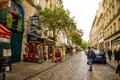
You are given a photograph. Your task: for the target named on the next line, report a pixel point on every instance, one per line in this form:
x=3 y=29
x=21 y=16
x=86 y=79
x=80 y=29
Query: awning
x=4 y=32
x=38 y=39
x=50 y=42
x=34 y=38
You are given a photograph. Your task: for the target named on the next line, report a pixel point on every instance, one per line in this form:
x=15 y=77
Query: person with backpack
x=90 y=55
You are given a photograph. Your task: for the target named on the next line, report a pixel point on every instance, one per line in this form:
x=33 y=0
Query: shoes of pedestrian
x=90 y=70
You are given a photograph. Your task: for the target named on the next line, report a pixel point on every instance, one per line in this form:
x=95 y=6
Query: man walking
x=109 y=54
x=118 y=56
x=115 y=54
x=89 y=56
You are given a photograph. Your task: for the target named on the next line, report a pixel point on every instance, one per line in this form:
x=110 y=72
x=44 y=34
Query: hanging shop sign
x=7 y=52
x=35 y=25
x=35 y=32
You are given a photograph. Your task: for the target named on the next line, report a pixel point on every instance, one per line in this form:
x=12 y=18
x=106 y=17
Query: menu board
x=6 y=52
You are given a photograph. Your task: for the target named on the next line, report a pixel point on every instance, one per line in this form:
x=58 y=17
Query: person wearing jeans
x=90 y=63
x=89 y=58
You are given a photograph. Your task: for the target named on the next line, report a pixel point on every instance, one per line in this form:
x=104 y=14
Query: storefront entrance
x=5 y=47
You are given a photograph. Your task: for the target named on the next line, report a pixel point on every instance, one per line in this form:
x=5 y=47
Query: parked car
x=100 y=56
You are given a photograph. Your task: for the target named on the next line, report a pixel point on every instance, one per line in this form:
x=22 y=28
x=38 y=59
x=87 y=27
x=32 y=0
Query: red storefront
x=5 y=45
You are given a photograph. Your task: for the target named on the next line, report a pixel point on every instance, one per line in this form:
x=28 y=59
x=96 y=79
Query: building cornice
x=118 y=32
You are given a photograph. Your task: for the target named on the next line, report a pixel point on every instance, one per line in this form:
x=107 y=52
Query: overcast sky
x=84 y=12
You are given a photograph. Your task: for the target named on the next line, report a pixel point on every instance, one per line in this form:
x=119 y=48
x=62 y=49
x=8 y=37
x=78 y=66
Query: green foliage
x=3 y=14
x=55 y=19
x=58 y=19
x=84 y=44
x=77 y=40
x=9 y=20
x=19 y=1
x=19 y=25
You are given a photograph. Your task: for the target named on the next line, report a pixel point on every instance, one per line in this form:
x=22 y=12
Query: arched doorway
x=16 y=41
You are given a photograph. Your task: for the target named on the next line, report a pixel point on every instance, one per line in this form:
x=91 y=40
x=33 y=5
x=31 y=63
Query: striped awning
x=4 y=32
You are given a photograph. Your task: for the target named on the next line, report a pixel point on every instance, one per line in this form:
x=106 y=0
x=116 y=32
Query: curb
x=47 y=68
x=111 y=65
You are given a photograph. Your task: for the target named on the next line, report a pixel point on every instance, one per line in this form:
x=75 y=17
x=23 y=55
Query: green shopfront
x=17 y=30
x=16 y=26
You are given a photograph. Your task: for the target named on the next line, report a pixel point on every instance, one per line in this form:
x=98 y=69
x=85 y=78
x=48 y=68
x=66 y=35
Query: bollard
x=4 y=73
x=3 y=68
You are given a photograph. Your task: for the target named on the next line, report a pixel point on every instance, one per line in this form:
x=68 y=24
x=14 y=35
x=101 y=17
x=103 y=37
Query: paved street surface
x=76 y=68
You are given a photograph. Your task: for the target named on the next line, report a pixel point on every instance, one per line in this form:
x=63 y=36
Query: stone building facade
x=111 y=25
x=108 y=25
x=40 y=48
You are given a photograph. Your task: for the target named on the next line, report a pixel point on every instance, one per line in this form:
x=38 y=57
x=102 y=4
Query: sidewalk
x=112 y=62
x=24 y=70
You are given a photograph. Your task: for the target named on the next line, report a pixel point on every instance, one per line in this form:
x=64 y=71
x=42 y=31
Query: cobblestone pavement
x=112 y=62
x=76 y=69
x=23 y=70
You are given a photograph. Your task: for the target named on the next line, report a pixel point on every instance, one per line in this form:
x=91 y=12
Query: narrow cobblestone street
x=76 y=68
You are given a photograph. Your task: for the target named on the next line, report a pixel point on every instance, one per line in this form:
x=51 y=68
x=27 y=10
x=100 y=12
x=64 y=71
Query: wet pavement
x=113 y=63
x=76 y=69
x=23 y=70
x=73 y=68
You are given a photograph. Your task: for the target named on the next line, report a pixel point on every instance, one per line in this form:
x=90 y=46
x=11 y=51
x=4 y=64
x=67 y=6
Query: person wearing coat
x=115 y=54
x=118 y=55
x=89 y=54
x=109 y=54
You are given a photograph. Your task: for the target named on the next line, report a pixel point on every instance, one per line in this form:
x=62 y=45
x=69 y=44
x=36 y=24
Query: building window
x=114 y=27
x=108 y=33
x=113 y=10
x=110 y=30
x=38 y=1
x=46 y=3
x=106 y=18
x=118 y=1
x=105 y=34
x=119 y=23
x=110 y=15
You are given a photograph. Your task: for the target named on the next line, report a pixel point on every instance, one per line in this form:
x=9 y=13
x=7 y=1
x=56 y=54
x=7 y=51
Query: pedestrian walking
x=89 y=53
x=109 y=54
x=118 y=55
x=115 y=54
x=118 y=69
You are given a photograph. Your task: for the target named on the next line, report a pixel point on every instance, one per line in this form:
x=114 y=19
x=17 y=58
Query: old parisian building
x=96 y=33
x=99 y=24
x=111 y=23
x=39 y=49
x=108 y=25
x=93 y=34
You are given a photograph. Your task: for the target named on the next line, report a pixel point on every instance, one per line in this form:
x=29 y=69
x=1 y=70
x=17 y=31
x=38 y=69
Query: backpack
x=93 y=56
